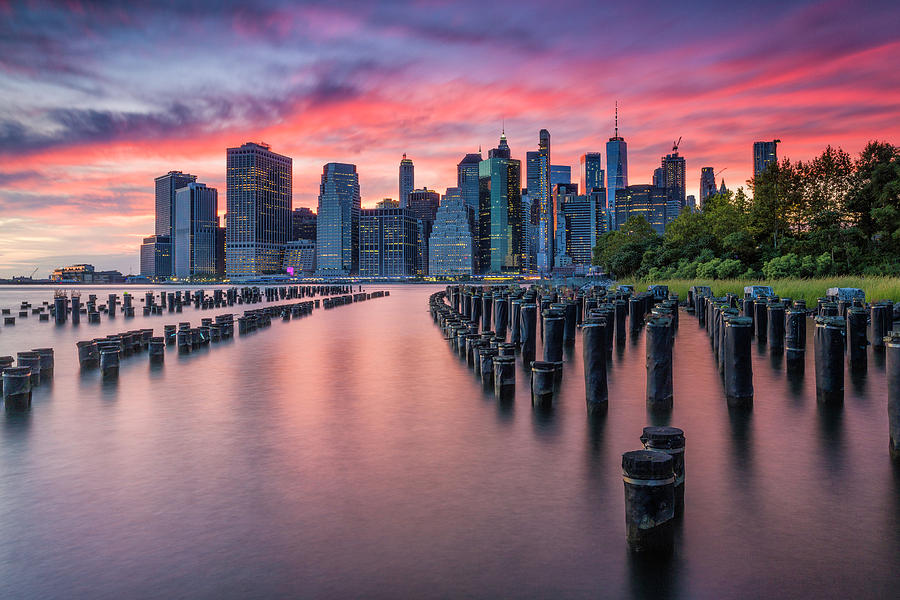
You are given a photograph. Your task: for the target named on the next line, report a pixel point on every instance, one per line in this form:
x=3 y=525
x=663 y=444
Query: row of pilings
x=69 y=307
x=107 y=353
x=842 y=332
x=489 y=327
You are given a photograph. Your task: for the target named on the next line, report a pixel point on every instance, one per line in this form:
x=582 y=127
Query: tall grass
x=876 y=288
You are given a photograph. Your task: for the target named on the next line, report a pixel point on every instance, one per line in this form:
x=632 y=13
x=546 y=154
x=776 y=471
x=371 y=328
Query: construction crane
x=676 y=144
x=719 y=171
x=33 y=272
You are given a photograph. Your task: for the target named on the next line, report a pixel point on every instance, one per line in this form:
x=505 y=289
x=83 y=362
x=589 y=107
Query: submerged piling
x=892 y=366
x=857 y=343
x=795 y=338
x=542 y=378
x=738 y=373
x=829 y=355
x=671 y=441
x=593 y=338
x=109 y=362
x=17 y=388
x=649 y=480
x=659 y=363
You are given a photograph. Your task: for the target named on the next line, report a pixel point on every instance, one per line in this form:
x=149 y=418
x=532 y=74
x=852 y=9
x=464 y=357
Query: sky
x=97 y=98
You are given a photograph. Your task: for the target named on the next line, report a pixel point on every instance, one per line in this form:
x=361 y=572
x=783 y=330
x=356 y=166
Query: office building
x=616 y=167
x=467 y=180
x=299 y=257
x=563 y=193
x=603 y=220
x=673 y=180
x=647 y=201
x=501 y=246
x=337 y=227
x=85 y=273
x=407 y=179
x=423 y=205
x=559 y=174
x=764 y=154
x=450 y=247
x=156 y=257
x=592 y=173
x=220 y=250
x=258 y=200
x=707 y=185
x=690 y=203
x=537 y=181
x=388 y=242
x=303 y=224
x=580 y=212
x=165 y=200
x=195 y=231
x=531 y=221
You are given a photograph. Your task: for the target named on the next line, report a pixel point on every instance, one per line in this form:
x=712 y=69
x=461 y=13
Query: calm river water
x=351 y=454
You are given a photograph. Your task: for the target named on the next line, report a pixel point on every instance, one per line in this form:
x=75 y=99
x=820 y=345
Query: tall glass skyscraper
x=764 y=154
x=156 y=257
x=707 y=185
x=258 y=199
x=407 y=180
x=467 y=180
x=647 y=201
x=616 y=167
x=450 y=245
x=337 y=227
x=563 y=193
x=196 y=226
x=559 y=174
x=538 y=180
x=165 y=186
x=592 y=173
x=501 y=245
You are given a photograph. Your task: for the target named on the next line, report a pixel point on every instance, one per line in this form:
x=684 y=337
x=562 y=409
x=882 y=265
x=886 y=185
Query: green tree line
x=832 y=215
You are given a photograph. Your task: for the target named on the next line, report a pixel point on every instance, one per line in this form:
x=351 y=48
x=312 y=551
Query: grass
x=876 y=288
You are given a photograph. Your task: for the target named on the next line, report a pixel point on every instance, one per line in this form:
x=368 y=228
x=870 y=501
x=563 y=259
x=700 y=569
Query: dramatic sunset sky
x=97 y=100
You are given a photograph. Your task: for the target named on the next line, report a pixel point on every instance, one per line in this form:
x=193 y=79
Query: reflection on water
x=352 y=453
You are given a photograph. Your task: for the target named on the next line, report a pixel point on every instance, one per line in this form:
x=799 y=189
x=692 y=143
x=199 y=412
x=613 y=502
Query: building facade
x=407 y=179
x=501 y=246
x=764 y=154
x=559 y=174
x=563 y=194
x=337 y=228
x=299 y=257
x=450 y=247
x=156 y=257
x=388 y=242
x=303 y=224
x=423 y=205
x=258 y=198
x=647 y=201
x=592 y=174
x=467 y=180
x=195 y=230
x=540 y=190
x=165 y=186
x=673 y=180
x=707 y=185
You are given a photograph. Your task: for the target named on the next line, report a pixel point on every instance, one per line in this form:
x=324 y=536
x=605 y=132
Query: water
x=351 y=454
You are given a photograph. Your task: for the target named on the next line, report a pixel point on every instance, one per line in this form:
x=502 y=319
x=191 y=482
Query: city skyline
x=90 y=116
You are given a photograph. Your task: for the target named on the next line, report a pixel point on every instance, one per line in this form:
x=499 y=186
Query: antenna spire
x=617 y=118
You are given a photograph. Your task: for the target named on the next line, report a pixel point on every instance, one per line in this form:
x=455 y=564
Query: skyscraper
x=559 y=174
x=196 y=227
x=563 y=193
x=303 y=224
x=165 y=205
x=647 y=201
x=337 y=226
x=501 y=246
x=592 y=173
x=156 y=257
x=764 y=154
x=423 y=205
x=258 y=198
x=388 y=242
x=616 y=167
x=407 y=179
x=707 y=185
x=467 y=180
x=540 y=191
x=673 y=172
x=450 y=245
